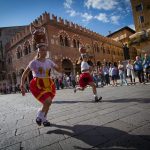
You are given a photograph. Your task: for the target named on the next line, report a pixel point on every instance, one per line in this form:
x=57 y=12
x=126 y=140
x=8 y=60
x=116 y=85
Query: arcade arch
x=67 y=66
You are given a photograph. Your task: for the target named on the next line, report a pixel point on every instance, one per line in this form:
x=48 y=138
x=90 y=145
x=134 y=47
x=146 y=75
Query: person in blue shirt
x=138 y=67
x=146 y=66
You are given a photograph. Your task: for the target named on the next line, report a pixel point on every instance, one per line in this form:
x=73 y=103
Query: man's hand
x=22 y=90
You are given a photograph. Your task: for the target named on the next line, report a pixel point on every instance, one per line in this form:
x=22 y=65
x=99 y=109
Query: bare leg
x=92 y=84
x=78 y=88
x=46 y=106
x=42 y=114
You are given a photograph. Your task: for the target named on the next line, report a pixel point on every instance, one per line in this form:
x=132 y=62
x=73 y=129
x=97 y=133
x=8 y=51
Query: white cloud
x=101 y=4
x=115 y=19
x=127 y=1
x=72 y=12
x=87 y=17
x=102 y=17
x=68 y=3
x=132 y=26
x=97 y=4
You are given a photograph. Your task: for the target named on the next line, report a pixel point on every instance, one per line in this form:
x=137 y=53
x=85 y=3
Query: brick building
x=141 y=39
x=63 y=38
x=122 y=35
x=6 y=33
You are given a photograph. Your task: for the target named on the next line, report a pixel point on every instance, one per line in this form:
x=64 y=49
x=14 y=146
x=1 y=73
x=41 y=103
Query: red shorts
x=85 y=79
x=42 y=88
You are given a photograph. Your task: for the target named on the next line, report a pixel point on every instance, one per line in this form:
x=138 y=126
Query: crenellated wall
x=46 y=17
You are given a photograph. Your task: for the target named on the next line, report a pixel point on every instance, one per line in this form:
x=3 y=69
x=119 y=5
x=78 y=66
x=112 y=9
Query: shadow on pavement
x=83 y=137
x=126 y=100
x=71 y=102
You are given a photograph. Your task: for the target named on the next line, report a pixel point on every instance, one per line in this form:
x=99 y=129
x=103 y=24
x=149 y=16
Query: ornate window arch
x=76 y=41
x=26 y=48
x=96 y=47
x=61 y=40
x=66 y=41
x=64 y=38
x=9 y=58
x=19 y=52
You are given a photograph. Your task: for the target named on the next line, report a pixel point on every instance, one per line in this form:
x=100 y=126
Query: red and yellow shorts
x=85 y=79
x=42 y=88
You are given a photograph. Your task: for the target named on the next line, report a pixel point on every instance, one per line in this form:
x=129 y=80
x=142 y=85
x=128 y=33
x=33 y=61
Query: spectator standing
x=138 y=67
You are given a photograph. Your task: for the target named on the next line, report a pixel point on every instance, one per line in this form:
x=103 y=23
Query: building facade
x=141 y=13
x=122 y=36
x=6 y=33
x=64 y=39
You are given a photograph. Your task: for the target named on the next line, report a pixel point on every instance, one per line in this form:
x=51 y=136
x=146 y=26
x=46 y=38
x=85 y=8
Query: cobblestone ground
x=121 y=121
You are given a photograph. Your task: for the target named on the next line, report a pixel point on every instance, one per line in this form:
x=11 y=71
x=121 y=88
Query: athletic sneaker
x=46 y=123
x=74 y=90
x=39 y=121
x=97 y=99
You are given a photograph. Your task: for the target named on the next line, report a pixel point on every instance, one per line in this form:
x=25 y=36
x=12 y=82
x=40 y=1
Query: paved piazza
x=121 y=121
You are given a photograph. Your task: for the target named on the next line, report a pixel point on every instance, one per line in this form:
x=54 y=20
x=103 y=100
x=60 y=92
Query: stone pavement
x=121 y=121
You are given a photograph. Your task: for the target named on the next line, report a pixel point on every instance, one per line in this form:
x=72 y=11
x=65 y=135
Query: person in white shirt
x=130 y=72
x=41 y=86
x=86 y=78
x=122 y=74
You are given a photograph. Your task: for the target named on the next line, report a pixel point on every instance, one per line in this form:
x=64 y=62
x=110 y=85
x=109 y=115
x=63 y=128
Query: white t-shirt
x=129 y=69
x=129 y=66
x=41 y=69
x=84 y=66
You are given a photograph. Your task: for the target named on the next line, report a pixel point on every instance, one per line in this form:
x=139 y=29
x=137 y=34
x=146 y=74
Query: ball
x=82 y=50
x=39 y=37
x=38 y=33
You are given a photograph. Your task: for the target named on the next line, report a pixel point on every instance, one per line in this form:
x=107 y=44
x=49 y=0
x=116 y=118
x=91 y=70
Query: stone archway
x=67 y=66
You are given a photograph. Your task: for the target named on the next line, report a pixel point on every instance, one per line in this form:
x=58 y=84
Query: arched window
x=66 y=41
x=61 y=40
x=96 y=48
x=118 y=53
x=104 y=50
x=9 y=60
x=74 y=43
x=19 y=52
x=27 y=48
x=34 y=46
x=64 y=38
x=78 y=43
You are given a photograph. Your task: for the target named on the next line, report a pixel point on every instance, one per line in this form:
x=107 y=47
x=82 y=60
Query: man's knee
x=48 y=101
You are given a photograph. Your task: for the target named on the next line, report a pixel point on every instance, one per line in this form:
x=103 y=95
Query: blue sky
x=100 y=16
